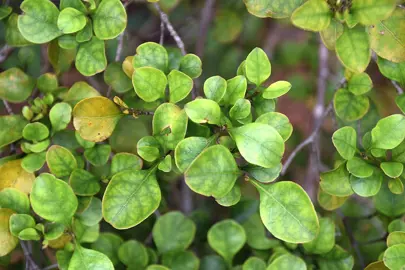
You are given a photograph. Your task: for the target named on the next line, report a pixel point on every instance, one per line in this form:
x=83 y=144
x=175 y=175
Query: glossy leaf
x=337 y=257
x=149 y=83
x=314 y=15
x=35 y=132
x=92 y=214
x=240 y=110
x=202 y=111
x=91 y=58
x=84 y=183
x=148 y=148
x=389 y=132
x=19 y=222
x=360 y=84
x=60 y=115
x=115 y=77
x=369 y=12
x=350 y=107
x=395 y=185
x=258 y=67
x=276 y=89
x=393 y=257
x=279 y=122
x=125 y=161
x=78 y=92
x=330 y=202
x=15 y=85
x=133 y=254
x=392 y=169
x=188 y=149
x=109 y=20
x=393 y=71
x=180 y=85
x=13 y=35
x=367 y=186
x=395 y=238
x=98 y=155
x=151 y=54
x=231 y=198
x=191 y=64
x=336 y=182
x=325 y=240
x=15 y=200
x=345 y=140
x=215 y=88
x=60 y=160
x=33 y=162
x=71 y=20
x=236 y=89
x=287 y=261
x=331 y=34
x=91 y=259
x=360 y=167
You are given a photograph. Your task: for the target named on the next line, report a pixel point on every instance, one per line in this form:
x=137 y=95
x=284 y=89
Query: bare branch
x=206 y=16
x=8 y=107
x=169 y=26
x=4 y=52
x=53 y=266
x=162 y=33
x=400 y=91
x=29 y=262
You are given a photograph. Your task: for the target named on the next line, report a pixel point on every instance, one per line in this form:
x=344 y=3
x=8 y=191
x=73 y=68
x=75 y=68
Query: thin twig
x=8 y=107
x=400 y=91
x=205 y=17
x=169 y=26
x=29 y=262
x=162 y=33
x=4 y=52
x=53 y=266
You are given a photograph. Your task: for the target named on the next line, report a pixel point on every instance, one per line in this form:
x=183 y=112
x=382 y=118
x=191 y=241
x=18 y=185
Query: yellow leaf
x=13 y=175
x=7 y=241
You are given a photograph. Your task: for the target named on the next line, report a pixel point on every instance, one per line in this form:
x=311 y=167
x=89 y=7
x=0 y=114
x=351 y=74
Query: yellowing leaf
x=7 y=241
x=13 y=175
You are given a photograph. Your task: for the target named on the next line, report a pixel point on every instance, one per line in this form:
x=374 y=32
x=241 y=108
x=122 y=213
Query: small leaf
x=180 y=85
x=47 y=82
x=91 y=259
x=12 y=128
x=39 y=29
x=5 y=11
x=60 y=115
x=84 y=183
x=393 y=257
x=213 y=172
x=151 y=54
x=337 y=257
x=125 y=161
x=191 y=64
x=13 y=175
x=71 y=20
x=7 y=240
x=13 y=35
x=353 y=49
x=395 y=185
x=80 y=91
x=389 y=132
x=173 y=232
x=92 y=215
x=314 y=15
x=202 y=111
x=53 y=199
x=109 y=20
x=331 y=34
x=231 y=198
x=360 y=84
x=330 y=202
x=148 y=148
x=86 y=33
x=392 y=169
x=15 y=200
x=393 y=71
x=133 y=254
x=210 y=262
x=345 y=140
x=169 y=116
x=98 y=155
x=91 y=58
x=215 y=88
x=272 y=8
x=369 y=12
x=123 y=195
x=254 y=263
x=33 y=162
x=84 y=143
x=95 y=118
x=395 y=238
x=258 y=67
x=226 y=238
x=235 y=89
x=149 y=83
x=279 y=122
x=389 y=204
x=276 y=89
x=350 y=107
x=336 y=182
x=85 y=234
x=35 y=132
x=115 y=77
x=367 y=186
x=256 y=234
x=166 y=164
x=60 y=160
x=325 y=240
x=259 y=144
x=360 y=167
x=240 y=110
x=15 y=85
x=293 y=221
x=19 y=222
x=29 y=234
x=108 y=244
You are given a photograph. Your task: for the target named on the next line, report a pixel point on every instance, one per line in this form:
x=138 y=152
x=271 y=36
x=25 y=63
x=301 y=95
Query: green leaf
x=184 y=260
x=387 y=37
x=29 y=234
x=84 y=183
x=279 y=122
x=345 y=141
x=39 y=29
x=149 y=83
x=92 y=215
x=188 y=149
x=235 y=89
x=360 y=167
x=276 y=89
x=394 y=257
x=60 y=160
x=314 y=15
x=91 y=58
x=202 y=111
x=215 y=88
x=63 y=258
x=60 y=115
x=53 y=199
x=19 y=222
x=213 y=172
x=180 y=85
x=191 y=64
x=108 y=244
x=157 y=267
x=95 y=118
x=47 y=82
x=85 y=234
x=336 y=258
x=396 y=225
x=231 y=198
x=35 y=132
x=360 y=84
x=80 y=91
x=259 y=144
x=98 y=155
x=212 y=262
x=166 y=164
x=389 y=132
x=76 y=4
x=287 y=262
x=258 y=67
x=15 y=200
x=5 y=11
x=264 y=175
x=389 y=204
x=151 y=54
x=228 y=26
x=393 y=71
x=86 y=33
x=369 y=12
x=395 y=238
x=392 y=169
x=15 y=85
x=53 y=231
x=91 y=259
x=12 y=128
x=123 y=195
x=115 y=77
x=84 y=143
x=110 y=19
x=336 y=182
x=133 y=254
x=169 y=117
x=367 y=186
x=173 y=232
x=125 y=161
x=7 y=240
x=256 y=234
x=227 y=238
x=395 y=185
x=353 y=49
x=350 y=107
x=330 y=202
x=240 y=110
x=148 y=148
x=400 y=101
x=13 y=35
x=33 y=162
x=331 y=34
x=325 y=240
x=71 y=20
x=272 y=8
x=254 y=263
x=293 y=221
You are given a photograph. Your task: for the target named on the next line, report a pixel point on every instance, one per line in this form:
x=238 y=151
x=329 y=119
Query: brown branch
x=5 y=52
x=29 y=261
x=8 y=107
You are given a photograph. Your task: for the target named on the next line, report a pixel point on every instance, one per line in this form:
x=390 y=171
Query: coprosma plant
x=61 y=186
